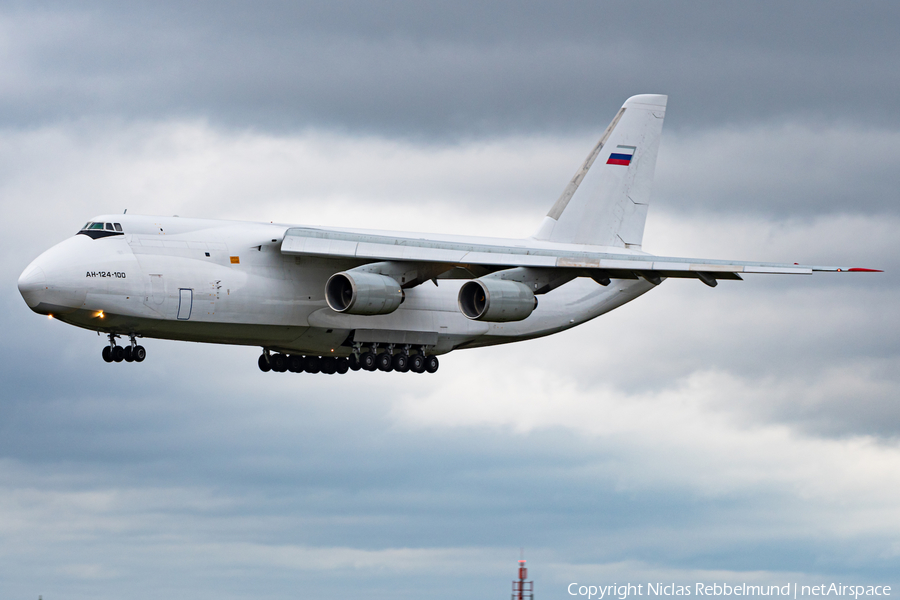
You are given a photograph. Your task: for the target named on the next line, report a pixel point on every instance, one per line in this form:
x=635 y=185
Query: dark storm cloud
x=456 y=69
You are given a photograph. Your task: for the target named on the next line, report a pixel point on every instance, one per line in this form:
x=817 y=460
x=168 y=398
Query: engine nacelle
x=359 y=293
x=496 y=300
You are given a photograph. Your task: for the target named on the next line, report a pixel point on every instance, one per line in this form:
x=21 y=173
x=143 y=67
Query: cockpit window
x=96 y=231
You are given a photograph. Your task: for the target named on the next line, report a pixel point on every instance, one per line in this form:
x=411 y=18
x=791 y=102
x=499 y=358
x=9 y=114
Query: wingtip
x=861 y=270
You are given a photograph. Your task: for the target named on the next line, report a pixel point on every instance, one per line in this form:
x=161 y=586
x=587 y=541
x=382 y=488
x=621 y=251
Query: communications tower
x=522 y=590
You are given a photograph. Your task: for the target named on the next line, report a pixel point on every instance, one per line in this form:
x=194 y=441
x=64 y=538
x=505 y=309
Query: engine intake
x=362 y=293
x=496 y=300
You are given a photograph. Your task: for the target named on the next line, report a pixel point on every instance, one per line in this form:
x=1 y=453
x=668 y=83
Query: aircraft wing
x=483 y=258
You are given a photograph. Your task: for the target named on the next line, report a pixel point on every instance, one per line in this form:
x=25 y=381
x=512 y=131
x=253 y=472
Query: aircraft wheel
x=263 y=363
x=139 y=354
x=401 y=362
x=343 y=365
x=329 y=365
x=367 y=361
x=129 y=357
x=118 y=353
x=431 y=364
x=107 y=354
x=385 y=362
x=313 y=364
x=295 y=363
x=279 y=363
x=353 y=363
x=417 y=363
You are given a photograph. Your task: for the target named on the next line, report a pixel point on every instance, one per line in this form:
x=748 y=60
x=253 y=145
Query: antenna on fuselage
x=125 y=211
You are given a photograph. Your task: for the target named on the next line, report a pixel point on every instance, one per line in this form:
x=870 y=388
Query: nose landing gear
x=131 y=353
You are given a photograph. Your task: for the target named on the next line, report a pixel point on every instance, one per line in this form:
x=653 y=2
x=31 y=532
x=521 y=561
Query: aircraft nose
x=32 y=285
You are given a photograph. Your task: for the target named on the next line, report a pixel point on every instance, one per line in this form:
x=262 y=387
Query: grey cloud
x=791 y=171
x=451 y=71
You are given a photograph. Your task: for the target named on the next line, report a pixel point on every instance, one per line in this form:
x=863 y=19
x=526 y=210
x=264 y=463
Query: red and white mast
x=522 y=590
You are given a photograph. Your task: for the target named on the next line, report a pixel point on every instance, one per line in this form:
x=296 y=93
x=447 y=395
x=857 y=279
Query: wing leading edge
x=484 y=257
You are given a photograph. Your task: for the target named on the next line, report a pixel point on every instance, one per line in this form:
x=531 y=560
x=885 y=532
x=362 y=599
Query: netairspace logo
x=621 y=592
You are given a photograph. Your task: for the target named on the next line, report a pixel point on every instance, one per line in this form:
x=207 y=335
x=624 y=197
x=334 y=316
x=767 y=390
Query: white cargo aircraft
x=329 y=300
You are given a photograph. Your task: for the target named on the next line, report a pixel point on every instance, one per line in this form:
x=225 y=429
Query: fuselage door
x=185 y=299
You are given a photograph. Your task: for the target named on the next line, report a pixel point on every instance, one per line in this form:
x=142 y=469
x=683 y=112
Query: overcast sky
x=747 y=433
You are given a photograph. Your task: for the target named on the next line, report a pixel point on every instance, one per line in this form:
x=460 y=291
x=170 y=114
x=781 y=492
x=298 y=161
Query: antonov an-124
x=330 y=300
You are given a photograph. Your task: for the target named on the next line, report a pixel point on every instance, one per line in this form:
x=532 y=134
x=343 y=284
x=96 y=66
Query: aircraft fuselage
x=228 y=282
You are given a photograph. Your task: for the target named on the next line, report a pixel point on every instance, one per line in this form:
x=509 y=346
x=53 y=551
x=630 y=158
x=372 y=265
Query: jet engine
x=360 y=293
x=496 y=300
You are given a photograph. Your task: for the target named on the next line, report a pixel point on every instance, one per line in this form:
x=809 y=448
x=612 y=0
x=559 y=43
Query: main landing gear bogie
x=368 y=360
x=116 y=353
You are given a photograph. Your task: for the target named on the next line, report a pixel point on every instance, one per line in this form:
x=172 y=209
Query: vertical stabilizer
x=606 y=202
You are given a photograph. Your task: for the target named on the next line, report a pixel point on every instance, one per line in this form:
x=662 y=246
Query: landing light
x=99 y=314
x=49 y=316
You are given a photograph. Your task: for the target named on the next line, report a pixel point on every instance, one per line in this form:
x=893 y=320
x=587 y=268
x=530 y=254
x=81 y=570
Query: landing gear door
x=185 y=300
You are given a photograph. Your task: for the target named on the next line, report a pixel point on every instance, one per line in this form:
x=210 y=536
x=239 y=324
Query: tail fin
x=606 y=204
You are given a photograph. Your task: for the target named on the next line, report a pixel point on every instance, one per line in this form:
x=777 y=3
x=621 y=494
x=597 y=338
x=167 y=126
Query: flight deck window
x=96 y=231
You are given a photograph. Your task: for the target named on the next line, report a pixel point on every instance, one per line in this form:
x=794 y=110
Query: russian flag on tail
x=622 y=155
